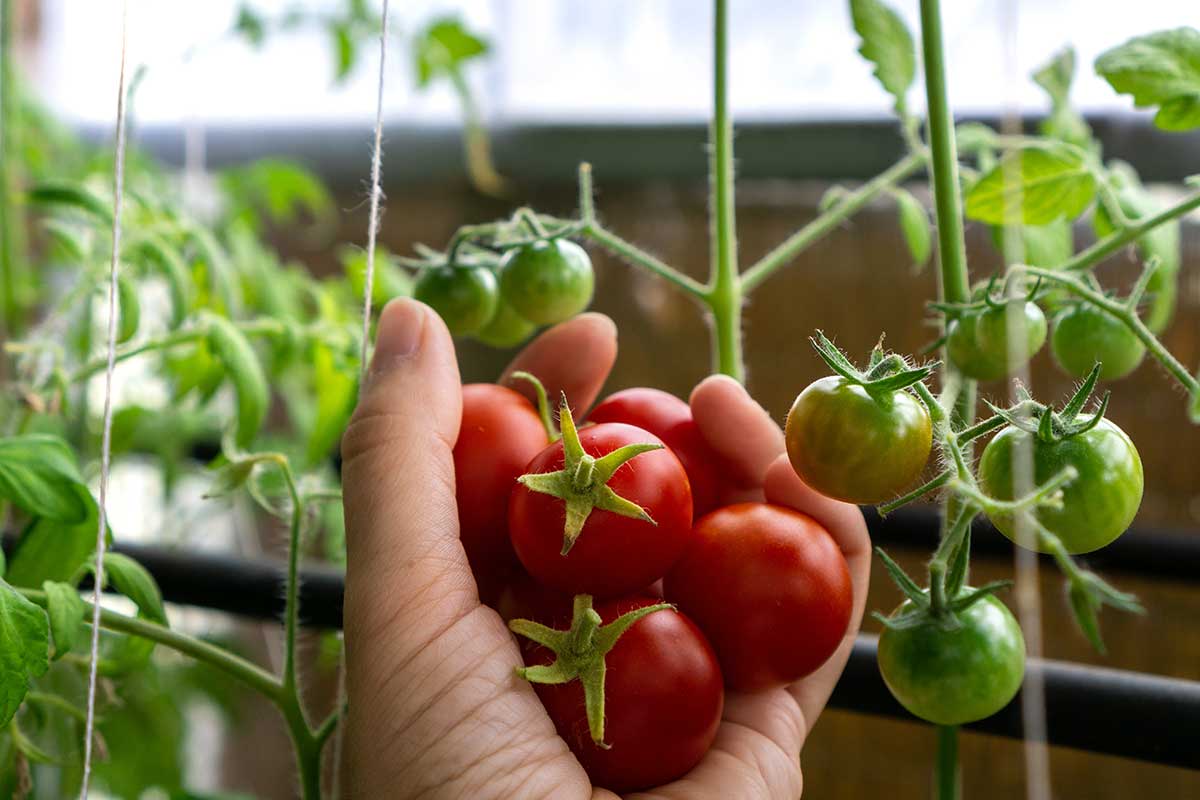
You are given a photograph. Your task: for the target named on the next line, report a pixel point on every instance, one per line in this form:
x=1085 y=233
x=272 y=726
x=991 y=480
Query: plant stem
x=947 y=763
x=1086 y=259
x=292 y=593
x=635 y=255
x=849 y=205
x=476 y=145
x=1126 y=315
x=724 y=289
x=12 y=226
x=252 y=675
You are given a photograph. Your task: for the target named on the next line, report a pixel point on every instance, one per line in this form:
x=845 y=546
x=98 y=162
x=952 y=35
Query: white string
x=1027 y=591
x=106 y=436
x=364 y=352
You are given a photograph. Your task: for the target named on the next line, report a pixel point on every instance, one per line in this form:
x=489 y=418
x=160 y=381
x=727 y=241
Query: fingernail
x=401 y=325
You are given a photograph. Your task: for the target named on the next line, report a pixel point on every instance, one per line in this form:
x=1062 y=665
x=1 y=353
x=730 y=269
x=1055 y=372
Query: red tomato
x=662 y=701
x=770 y=589
x=500 y=433
x=670 y=419
x=614 y=554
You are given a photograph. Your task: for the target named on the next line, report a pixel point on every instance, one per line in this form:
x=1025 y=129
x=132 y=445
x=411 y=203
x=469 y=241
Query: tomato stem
x=946 y=767
x=12 y=226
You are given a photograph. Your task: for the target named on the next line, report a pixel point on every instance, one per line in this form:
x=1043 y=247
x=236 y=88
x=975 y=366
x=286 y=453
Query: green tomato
x=952 y=677
x=1085 y=335
x=978 y=343
x=1097 y=506
x=547 y=281
x=464 y=297
x=854 y=446
x=506 y=329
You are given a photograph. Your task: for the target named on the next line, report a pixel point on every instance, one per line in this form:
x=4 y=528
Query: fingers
x=574 y=357
x=846 y=525
x=406 y=573
x=737 y=428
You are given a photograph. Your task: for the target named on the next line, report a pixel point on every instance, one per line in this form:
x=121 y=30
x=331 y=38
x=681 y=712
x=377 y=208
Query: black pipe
x=1148 y=552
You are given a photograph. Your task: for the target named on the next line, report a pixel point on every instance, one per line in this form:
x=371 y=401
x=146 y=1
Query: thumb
x=407 y=577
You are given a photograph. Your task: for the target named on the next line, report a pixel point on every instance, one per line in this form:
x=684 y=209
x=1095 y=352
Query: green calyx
x=958 y=597
x=582 y=483
x=580 y=652
x=886 y=372
x=1050 y=426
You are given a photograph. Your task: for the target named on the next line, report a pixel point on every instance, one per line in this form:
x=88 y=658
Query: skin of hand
x=435 y=709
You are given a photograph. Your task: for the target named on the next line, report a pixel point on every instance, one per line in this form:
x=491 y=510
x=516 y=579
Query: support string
x=364 y=353
x=106 y=435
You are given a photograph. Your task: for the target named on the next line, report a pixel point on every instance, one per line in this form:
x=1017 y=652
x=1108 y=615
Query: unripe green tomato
x=952 y=677
x=506 y=329
x=1097 y=506
x=978 y=343
x=857 y=447
x=1084 y=335
x=547 y=281
x=464 y=297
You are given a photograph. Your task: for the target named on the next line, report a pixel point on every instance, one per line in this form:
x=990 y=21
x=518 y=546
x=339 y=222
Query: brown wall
x=856 y=284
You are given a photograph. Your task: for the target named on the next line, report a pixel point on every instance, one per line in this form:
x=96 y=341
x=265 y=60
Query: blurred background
x=624 y=84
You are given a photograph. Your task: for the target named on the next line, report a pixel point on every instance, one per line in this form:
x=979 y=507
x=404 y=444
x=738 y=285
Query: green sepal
x=907 y=585
x=964 y=601
x=580 y=653
x=582 y=483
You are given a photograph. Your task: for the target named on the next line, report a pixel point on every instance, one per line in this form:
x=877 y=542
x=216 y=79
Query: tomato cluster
x=537 y=283
x=690 y=597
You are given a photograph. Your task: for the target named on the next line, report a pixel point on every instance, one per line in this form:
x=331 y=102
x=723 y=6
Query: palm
x=446 y=716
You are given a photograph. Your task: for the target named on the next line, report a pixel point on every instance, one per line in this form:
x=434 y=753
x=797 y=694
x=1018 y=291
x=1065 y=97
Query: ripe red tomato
x=500 y=433
x=662 y=701
x=770 y=589
x=614 y=554
x=670 y=419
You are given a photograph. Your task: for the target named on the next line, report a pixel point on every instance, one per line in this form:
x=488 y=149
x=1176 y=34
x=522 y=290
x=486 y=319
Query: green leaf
x=442 y=47
x=1045 y=246
x=345 y=51
x=132 y=580
x=168 y=262
x=72 y=195
x=914 y=223
x=1160 y=69
x=250 y=25
x=66 y=609
x=1056 y=75
x=128 y=308
x=246 y=373
x=24 y=649
x=51 y=550
x=38 y=473
x=888 y=45
x=335 y=384
x=1045 y=184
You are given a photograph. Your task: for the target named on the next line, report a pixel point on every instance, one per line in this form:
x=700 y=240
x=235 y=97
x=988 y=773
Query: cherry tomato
x=500 y=433
x=978 y=343
x=1085 y=335
x=1097 y=506
x=670 y=419
x=770 y=589
x=854 y=446
x=465 y=298
x=662 y=697
x=506 y=329
x=547 y=281
x=952 y=677
x=614 y=554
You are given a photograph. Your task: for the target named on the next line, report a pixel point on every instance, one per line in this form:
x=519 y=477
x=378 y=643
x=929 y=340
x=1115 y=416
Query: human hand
x=436 y=709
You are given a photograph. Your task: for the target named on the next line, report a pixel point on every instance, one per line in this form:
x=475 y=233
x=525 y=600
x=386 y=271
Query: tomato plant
x=465 y=297
x=980 y=346
x=651 y=713
x=500 y=433
x=1084 y=336
x=605 y=511
x=858 y=438
x=670 y=419
x=548 y=280
x=770 y=589
x=955 y=672
x=1098 y=503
